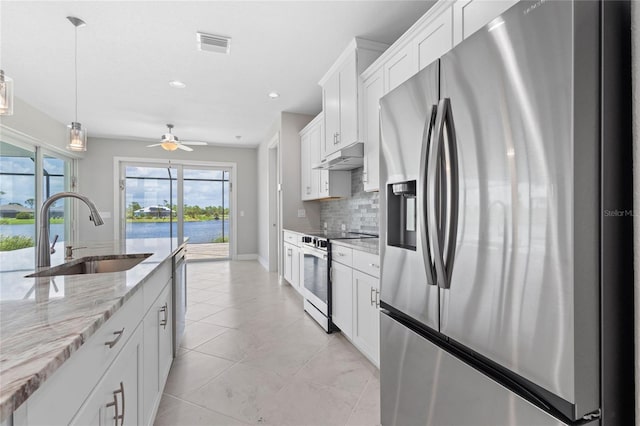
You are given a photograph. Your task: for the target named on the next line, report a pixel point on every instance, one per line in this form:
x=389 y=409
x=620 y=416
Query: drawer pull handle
x=341 y=254
x=373 y=297
x=373 y=265
x=118 y=415
x=163 y=321
x=114 y=342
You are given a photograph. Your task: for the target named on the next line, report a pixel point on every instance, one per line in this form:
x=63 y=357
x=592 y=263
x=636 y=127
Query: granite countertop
x=43 y=321
x=369 y=245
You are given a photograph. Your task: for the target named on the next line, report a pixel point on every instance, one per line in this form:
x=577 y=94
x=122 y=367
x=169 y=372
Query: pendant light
x=77 y=135
x=6 y=94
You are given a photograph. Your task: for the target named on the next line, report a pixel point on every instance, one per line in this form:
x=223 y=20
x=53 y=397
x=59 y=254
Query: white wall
x=95 y=179
x=35 y=123
x=635 y=31
x=289 y=126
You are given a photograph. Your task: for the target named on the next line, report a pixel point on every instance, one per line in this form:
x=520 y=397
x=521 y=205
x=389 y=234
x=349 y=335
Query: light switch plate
x=302 y=213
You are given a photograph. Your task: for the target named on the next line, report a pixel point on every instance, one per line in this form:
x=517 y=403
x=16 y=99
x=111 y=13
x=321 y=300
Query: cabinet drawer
x=80 y=373
x=367 y=263
x=341 y=254
x=156 y=282
x=292 y=238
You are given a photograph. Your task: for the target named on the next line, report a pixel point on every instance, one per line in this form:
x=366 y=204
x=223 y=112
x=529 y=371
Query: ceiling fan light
x=6 y=94
x=169 y=145
x=77 y=137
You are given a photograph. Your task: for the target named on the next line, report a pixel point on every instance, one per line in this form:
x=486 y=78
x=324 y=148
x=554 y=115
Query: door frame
x=119 y=202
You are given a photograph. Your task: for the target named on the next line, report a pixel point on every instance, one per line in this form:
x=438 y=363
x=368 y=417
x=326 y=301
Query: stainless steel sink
x=94 y=265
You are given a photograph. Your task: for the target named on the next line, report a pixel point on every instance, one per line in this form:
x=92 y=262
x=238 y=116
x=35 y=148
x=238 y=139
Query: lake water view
x=198 y=232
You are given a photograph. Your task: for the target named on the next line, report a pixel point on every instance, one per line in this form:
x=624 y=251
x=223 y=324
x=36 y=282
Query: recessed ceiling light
x=274 y=95
x=177 y=84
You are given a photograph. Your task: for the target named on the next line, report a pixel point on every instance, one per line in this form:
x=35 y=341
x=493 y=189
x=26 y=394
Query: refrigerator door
x=406 y=120
x=515 y=294
x=422 y=384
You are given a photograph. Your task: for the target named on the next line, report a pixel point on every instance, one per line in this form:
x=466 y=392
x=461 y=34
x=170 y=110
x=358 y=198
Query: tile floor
x=250 y=355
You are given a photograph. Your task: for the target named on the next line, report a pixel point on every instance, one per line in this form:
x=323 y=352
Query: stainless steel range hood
x=348 y=158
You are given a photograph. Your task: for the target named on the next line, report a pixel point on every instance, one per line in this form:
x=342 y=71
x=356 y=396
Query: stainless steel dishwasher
x=179 y=297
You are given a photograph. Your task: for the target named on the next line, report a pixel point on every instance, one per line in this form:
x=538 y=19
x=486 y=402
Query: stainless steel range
x=316 y=248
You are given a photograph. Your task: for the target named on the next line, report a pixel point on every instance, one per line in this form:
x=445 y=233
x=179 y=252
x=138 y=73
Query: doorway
x=189 y=200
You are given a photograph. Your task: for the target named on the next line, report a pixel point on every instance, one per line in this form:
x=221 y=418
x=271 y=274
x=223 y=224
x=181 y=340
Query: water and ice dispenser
x=401 y=214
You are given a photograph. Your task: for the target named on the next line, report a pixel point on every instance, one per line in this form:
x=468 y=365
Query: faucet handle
x=53 y=245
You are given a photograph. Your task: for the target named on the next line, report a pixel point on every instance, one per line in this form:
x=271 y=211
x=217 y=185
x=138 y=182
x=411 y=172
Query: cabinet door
x=331 y=108
x=288 y=262
x=295 y=267
x=348 y=132
x=366 y=319
x=118 y=391
x=470 y=15
x=165 y=340
x=400 y=67
x=305 y=166
x=158 y=351
x=435 y=39
x=342 y=298
x=372 y=89
x=316 y=136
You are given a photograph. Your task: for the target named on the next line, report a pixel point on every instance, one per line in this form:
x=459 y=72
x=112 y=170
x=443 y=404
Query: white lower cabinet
x=366 y=316
x=115 y=400
x=118 y=374
x=342 y=297
x=356 y=298
x=292 y=265
x=158 y=352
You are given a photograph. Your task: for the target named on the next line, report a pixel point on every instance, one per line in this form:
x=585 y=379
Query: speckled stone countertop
x=43 y=321
x=369 y=245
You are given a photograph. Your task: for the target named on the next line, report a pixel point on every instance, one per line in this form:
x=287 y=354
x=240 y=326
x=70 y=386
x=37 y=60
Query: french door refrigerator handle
x=432 y=198
x=452 y=173
x=423 y=205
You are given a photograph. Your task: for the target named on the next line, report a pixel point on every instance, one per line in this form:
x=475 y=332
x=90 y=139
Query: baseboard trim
x=251 y=256
x=264 y=262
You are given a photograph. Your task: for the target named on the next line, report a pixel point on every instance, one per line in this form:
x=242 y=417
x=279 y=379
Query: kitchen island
x=45 y=321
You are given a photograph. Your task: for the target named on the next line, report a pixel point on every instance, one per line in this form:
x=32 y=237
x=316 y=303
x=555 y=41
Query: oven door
x=316 y=278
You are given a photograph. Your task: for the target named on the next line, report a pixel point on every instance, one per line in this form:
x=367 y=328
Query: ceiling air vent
x=213 y=43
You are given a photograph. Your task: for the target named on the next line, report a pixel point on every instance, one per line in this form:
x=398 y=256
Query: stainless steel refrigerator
x=506 y=226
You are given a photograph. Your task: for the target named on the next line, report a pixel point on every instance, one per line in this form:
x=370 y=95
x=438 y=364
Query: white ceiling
x=130 y=50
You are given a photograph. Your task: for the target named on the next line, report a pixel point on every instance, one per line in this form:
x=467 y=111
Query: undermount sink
x=94 y=265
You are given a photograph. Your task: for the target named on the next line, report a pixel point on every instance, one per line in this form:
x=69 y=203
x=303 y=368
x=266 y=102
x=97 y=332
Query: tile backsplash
x=358 y=213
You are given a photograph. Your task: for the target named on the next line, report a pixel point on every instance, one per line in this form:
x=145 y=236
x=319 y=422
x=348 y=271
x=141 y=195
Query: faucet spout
x=43 y=255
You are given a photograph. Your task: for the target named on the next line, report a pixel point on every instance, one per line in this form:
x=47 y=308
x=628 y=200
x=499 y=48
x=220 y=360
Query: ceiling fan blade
x=194 y=143
x=185 y=148
x=155 y=144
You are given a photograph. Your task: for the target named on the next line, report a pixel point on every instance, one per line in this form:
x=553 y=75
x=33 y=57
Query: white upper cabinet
x=319 y=184
x=400 y=67
x=471 y=15
x=340 y=94
x=305 y=166
x=435 y=39
x=372 y=91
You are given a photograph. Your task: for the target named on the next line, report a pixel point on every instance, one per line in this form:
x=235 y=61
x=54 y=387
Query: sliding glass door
x=179 y=201
x=206 y=212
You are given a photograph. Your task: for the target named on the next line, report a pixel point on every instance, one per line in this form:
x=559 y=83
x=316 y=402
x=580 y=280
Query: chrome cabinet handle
x=163 y=321
x=338 y=137
x=341 y=254
x=118 y=415
x=365 y=176
x=372 y=296
x=377 y=298
x=115 y=341
x=373 y=265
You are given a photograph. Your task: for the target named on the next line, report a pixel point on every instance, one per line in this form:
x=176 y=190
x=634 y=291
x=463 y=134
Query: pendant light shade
x=77 y=135
x=6 y=94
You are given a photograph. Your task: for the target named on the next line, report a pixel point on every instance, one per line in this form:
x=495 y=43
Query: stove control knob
x=322 y=244
x=306 y=239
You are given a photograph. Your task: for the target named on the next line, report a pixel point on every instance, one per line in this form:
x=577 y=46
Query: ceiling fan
x=170 y=142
